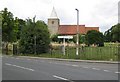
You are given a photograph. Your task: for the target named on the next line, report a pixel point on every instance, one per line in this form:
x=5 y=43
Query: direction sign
x=67 y=37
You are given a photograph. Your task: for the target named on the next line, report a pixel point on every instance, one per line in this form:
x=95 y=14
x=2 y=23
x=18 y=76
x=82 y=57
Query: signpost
x=65 y=37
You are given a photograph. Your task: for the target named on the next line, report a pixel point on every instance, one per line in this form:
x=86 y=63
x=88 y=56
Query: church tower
x=53 y=22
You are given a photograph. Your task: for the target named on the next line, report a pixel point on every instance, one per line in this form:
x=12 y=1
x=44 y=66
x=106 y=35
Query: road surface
x=20 y=68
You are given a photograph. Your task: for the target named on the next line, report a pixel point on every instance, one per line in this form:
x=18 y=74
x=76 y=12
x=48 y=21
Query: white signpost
x=65 y=37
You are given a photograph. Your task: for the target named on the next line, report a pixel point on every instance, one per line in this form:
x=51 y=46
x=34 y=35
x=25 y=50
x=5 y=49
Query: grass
x=111 y=44
x=109 y=52
x=87 y=53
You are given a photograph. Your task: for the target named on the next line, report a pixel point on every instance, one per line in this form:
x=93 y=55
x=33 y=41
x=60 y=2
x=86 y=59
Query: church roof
x=72 y=29
x=53 y=14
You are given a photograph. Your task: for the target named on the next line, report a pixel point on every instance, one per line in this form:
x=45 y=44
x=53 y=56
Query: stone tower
x=53 y=22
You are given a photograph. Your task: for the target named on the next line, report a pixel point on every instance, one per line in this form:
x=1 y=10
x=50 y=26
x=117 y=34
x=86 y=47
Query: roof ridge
x=71 y=25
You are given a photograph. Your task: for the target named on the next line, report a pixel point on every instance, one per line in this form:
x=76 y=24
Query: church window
x=52 y=22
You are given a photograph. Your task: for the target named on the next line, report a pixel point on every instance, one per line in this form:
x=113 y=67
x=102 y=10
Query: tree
x=107 y=35
x=94 y=37
x=81 y=38
x=34 y=37
x=54 y=38
x=113 y=34
x=116 y=33
x=9 y=31
x=19 y=24
x=8 y=28
x=0 y=30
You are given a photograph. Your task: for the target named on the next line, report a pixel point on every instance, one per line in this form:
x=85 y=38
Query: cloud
x=102 y=13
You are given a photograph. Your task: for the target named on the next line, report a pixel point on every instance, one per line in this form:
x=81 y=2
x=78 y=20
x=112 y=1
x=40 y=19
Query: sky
x=98 y=13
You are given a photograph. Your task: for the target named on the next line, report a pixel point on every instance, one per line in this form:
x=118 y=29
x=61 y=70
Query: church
x=55 y=27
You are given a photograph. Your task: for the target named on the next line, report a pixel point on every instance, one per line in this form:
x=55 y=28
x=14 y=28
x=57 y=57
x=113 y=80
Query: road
x=22 y=68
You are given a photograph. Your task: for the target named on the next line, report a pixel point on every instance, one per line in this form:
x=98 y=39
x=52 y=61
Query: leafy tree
x=107 y=35
x=54 y=38
x=9 y=30
x=0 y=21
x=94 y=37
x=113 y=34
x=19 y=23
x=116 y=32
x=0 y=29
x=34 y=37
x=81 y=38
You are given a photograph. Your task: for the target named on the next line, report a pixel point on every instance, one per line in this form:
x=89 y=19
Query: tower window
x=52 y=22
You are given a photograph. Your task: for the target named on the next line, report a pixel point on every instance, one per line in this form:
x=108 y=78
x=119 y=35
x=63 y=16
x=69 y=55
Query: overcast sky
x=101 y=13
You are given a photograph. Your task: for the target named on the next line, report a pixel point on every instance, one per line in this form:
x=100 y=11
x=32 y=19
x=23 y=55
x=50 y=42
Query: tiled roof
x=72 y=29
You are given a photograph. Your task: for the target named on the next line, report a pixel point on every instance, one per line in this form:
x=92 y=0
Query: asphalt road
x=17 y=68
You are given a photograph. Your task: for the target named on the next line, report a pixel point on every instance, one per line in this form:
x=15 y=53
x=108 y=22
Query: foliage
x=94 y=37
x=81 y=38
x=116 y=33
x=9 y=31
x=108 y=36
x=54 y=38
x=113 y=34
x=19 y=23
x=34 y=37
x=0 y=21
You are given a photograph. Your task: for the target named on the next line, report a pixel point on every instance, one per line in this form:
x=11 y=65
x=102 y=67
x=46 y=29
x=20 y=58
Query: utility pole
x=34 y=36
x=77 y=33
x=64 y=46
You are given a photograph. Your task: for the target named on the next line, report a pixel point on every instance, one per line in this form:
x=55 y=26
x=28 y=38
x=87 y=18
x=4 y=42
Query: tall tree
x=113 y=34
x=9 y=30
x=34 y=37
x=107 y=35
x=116 y=33
x=19 y=24
x=94 y=37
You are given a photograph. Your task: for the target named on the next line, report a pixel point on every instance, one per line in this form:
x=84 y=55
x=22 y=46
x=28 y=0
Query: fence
x=87 y=53
x=109 y=53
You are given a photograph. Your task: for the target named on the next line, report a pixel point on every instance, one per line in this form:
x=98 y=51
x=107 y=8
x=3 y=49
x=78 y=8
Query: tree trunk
x=6 y=50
